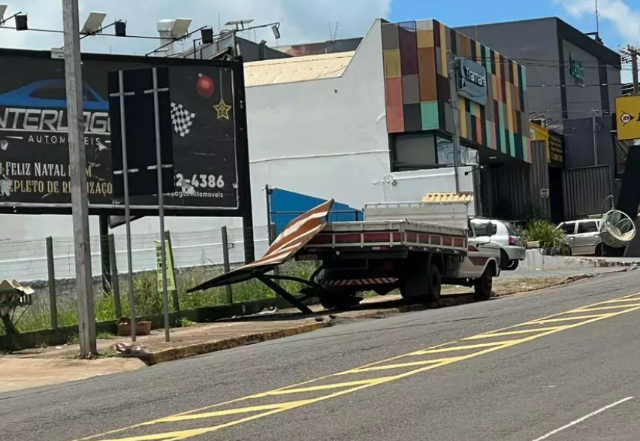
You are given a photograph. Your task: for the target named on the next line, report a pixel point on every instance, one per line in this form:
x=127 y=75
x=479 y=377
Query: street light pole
x=455 y=116
x=78 y=176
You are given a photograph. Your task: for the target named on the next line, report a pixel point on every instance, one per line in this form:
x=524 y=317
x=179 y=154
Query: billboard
x=628 y=114
x=208 y=120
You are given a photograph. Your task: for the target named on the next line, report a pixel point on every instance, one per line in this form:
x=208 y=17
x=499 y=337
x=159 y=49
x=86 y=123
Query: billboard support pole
x=78 y=179
x=127 y=204
x=242 y=140
x=159 y=168
x=104 y=253
x=267 y=192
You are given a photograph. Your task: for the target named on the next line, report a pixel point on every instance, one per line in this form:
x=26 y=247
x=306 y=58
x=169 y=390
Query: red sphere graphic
x=205 y=86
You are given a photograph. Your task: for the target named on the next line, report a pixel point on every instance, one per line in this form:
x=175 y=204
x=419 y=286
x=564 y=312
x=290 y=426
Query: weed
x=186 y=323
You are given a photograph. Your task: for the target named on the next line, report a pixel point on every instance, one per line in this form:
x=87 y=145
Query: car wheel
x=513 y=265
x=599 y=250
x=504 y=260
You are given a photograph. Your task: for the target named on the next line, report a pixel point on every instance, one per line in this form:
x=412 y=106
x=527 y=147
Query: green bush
x=550 y=238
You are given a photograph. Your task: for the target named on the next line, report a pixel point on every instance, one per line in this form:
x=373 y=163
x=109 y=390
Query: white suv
x=583 y=237
x=512 y=249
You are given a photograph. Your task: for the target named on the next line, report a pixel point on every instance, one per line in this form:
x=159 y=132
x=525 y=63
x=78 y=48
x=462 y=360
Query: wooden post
x=174 y=293
x=53 y=307
x=225 y=257
x=115 y=280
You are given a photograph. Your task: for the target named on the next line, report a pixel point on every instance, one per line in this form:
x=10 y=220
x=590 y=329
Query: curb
x=213 y=346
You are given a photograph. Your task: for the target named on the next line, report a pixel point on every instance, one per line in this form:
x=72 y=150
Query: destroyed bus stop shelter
x=293 y=238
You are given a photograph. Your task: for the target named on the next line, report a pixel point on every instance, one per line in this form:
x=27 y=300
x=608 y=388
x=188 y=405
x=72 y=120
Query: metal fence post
x=272 y=237
x=225 y=257
x=115 y=280
x=53 y=307
x=174 y=293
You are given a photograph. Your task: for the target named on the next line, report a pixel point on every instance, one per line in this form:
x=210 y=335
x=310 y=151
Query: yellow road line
x=522 y=331
x=607 y=308
x=459 y=348
x=402 y=365
x=244 y=405
x=575 y=317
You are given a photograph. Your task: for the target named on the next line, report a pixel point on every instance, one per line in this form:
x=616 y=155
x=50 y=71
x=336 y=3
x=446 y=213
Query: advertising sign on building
x=473 y=81
x=628 y=116
x=576 y=70
x=553 y=141
x=210 y=165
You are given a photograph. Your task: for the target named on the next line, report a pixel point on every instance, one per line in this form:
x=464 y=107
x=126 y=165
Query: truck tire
x=435 y=285
x=418 y=285
x=484 y=285
x=339 y=301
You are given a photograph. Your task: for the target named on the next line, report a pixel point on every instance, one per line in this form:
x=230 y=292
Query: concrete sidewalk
x=54 y=365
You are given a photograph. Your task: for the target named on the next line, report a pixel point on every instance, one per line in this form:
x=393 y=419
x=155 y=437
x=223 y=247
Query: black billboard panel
x=138 y=108
x=207 y=120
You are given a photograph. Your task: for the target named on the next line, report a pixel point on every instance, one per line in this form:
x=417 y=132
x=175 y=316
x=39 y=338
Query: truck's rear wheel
x=484 y=285
x=339 y=300
x=422 y=285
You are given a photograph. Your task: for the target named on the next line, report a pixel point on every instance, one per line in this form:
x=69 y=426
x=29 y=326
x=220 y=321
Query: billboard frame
x=244 y=207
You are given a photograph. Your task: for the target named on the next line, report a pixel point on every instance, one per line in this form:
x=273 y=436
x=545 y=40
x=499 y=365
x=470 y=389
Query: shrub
x=551 y=239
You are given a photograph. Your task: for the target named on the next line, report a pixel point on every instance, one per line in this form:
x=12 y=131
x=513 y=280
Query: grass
x=148 y=300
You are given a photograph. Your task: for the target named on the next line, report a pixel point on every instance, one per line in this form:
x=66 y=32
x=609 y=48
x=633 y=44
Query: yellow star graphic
x=222 y=109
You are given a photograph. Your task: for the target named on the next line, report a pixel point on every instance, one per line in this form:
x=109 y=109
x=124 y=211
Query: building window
x=445 y=154
x=413 y=152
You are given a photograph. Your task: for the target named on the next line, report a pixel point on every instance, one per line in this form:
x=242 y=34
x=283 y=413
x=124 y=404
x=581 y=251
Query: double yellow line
x=197 y=422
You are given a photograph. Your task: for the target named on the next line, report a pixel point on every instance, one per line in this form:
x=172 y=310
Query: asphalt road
x=574 y=376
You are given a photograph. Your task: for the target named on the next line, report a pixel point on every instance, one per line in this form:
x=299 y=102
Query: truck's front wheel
x=484 y=285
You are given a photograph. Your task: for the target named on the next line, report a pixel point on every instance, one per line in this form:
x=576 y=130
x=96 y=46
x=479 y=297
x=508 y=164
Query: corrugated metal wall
x=539 y=179
x=510 y=191
x=585 y=190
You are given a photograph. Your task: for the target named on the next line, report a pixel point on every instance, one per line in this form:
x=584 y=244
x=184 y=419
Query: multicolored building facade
x=418 y=61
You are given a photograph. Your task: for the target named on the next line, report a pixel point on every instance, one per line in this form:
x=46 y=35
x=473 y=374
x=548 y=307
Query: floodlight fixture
x=206 y=34
x=121 y=28
x=22 y=22
x=93 y=24
x=180 y=27
x=3 y=9
x=239 y=24
x=276 y=30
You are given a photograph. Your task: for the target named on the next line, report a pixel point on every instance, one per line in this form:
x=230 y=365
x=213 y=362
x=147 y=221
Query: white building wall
x=325 y=138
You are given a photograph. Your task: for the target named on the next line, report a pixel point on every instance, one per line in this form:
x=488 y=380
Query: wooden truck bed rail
x=387 y=234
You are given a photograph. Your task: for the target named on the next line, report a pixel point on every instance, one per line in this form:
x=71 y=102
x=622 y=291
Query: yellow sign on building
x=628 y=115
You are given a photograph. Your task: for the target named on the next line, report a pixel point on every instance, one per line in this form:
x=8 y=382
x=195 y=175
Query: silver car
x=583 y=237
x=512 y=249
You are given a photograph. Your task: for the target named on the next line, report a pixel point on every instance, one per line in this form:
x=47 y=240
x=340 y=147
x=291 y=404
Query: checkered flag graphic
x=181 y=119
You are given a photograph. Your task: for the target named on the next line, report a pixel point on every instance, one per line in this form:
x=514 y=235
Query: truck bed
x=386 y=234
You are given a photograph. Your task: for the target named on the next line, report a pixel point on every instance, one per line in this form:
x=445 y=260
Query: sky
x=312 y=20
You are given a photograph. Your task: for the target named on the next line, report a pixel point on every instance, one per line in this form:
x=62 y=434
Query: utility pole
x=634 y=67
x=455 y=115
x=78 y=172
x=594 y=114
